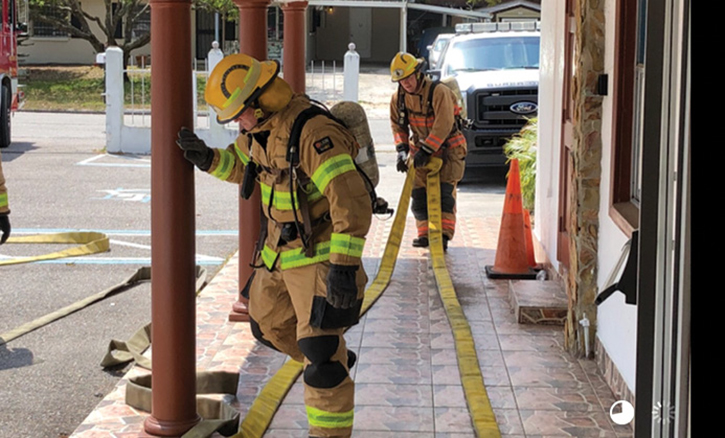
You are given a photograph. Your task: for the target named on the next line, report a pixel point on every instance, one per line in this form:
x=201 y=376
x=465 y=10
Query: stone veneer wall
x=581 y=280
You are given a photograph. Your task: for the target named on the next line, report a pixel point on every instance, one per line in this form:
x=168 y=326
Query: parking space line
x=146 y=163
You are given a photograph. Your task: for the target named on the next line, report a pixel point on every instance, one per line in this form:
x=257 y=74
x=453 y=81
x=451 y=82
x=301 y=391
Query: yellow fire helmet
x=237 y=82
x=403 y=65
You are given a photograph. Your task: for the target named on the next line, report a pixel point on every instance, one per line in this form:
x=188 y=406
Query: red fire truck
x=11 y=97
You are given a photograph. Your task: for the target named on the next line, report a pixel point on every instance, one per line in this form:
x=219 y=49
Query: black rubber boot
x=445 y=243
x=421 y=242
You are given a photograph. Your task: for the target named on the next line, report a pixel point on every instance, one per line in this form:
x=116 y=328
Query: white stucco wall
x=60 y=50
x=617 y=322
x=550 y=107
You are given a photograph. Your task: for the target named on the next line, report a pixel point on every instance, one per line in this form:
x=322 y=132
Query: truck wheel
x=5 y=118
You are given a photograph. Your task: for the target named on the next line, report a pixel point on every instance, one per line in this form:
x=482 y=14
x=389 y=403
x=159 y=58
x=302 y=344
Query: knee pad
x=420 y=204
x=322 y=373
x=257 y=332
x=448 y=202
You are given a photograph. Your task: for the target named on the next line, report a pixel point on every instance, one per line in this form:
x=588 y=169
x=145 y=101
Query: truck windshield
x=492 y=54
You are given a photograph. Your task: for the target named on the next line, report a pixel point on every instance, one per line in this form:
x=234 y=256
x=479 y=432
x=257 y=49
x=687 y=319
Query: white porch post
x=351 y=74
x=213 y=57
x=114 y=99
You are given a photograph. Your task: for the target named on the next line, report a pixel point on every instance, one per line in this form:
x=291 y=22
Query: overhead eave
x=400 y=5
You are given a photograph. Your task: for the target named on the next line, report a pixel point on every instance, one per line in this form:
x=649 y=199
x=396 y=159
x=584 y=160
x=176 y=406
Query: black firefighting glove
x=341 y=286
x=420 y=159
x=401 y=165
x=4 y=227
x=195 y=150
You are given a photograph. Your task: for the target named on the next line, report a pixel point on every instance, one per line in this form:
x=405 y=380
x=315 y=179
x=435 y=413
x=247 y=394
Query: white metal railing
x=128 y=118
x=137 y=109
x=324 y=82
x=128 y=112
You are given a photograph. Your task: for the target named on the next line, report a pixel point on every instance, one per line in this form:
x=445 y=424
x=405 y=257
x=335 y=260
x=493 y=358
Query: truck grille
x=493 y=107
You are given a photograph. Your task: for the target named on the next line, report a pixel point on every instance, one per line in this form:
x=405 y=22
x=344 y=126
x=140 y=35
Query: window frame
x=624 y=207
x=57 y=34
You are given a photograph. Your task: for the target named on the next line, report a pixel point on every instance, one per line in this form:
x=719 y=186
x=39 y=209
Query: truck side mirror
x=434 y=74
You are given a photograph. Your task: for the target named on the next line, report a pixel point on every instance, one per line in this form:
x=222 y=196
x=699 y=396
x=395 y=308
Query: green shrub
x=523 y=146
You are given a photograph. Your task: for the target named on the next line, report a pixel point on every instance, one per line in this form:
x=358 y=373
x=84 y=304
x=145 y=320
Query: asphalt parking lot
x=59 y=179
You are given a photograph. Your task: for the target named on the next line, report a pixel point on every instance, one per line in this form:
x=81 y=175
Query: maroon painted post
x=173 y=283
x=252 y=42
x=294 y=44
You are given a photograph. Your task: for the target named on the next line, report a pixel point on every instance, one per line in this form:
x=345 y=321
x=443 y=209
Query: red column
x=173 y=300
x=252 y=42
x=294 y=44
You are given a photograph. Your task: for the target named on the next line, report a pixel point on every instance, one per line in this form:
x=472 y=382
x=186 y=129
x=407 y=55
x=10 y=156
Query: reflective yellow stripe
x=233 y=96
x=252 y=73
x=331 y=168
x=269 y=256
x=225 y=165
x=3 y=200
x=294 y=258
x=410 y=66
x=347 y=245
x=242 y=155
x=329 y=420
x=283 y=200
x=266 y=193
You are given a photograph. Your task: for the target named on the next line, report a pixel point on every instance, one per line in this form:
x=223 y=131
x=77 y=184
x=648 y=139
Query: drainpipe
x=252 y=42
x=294 y=44
x=173 y=248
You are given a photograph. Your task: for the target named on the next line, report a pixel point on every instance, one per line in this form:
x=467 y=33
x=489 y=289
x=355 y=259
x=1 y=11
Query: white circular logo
x=622 y=412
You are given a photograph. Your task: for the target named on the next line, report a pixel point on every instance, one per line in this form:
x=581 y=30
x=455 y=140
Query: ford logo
x=524 y=107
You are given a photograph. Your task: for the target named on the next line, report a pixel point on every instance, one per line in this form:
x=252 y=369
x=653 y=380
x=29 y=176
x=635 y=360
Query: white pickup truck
x=496 y=69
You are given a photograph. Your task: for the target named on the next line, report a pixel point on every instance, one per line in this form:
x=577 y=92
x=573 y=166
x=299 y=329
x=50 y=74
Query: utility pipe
x=584 y=322
x=173 y=248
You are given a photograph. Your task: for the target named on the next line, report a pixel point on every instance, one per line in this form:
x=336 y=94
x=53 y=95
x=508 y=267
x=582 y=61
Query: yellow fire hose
x=218 y=414
x=90 y=242
x=263 y=408
x=479 y=406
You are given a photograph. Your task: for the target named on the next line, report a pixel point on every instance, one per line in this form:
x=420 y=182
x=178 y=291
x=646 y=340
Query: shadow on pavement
x=15 y=357
x=15 y=150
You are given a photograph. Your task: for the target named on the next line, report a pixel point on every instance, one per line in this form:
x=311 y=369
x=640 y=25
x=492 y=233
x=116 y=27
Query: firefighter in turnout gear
x=309 y=281
x=4 y=207
x=430 y=112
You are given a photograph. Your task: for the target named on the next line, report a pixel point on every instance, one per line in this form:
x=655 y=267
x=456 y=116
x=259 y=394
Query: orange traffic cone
x=511 y=259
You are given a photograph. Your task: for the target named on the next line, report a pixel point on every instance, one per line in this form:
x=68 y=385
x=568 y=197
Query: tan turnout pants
x=280 y=306
x=450 y=174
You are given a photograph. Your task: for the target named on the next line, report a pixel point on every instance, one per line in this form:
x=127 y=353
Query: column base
x=240 y=310
x=153 y=427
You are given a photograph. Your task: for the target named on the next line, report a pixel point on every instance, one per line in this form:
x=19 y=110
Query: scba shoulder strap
x=380 y=206
x=403 y=111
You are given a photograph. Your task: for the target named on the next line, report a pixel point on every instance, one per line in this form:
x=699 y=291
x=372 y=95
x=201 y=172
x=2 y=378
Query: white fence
x=128 y=111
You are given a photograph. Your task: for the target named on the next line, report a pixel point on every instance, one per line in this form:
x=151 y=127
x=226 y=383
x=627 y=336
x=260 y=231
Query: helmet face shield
x=236 y=83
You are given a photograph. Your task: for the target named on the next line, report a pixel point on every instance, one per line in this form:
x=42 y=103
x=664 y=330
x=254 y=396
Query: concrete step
x=538 y=302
